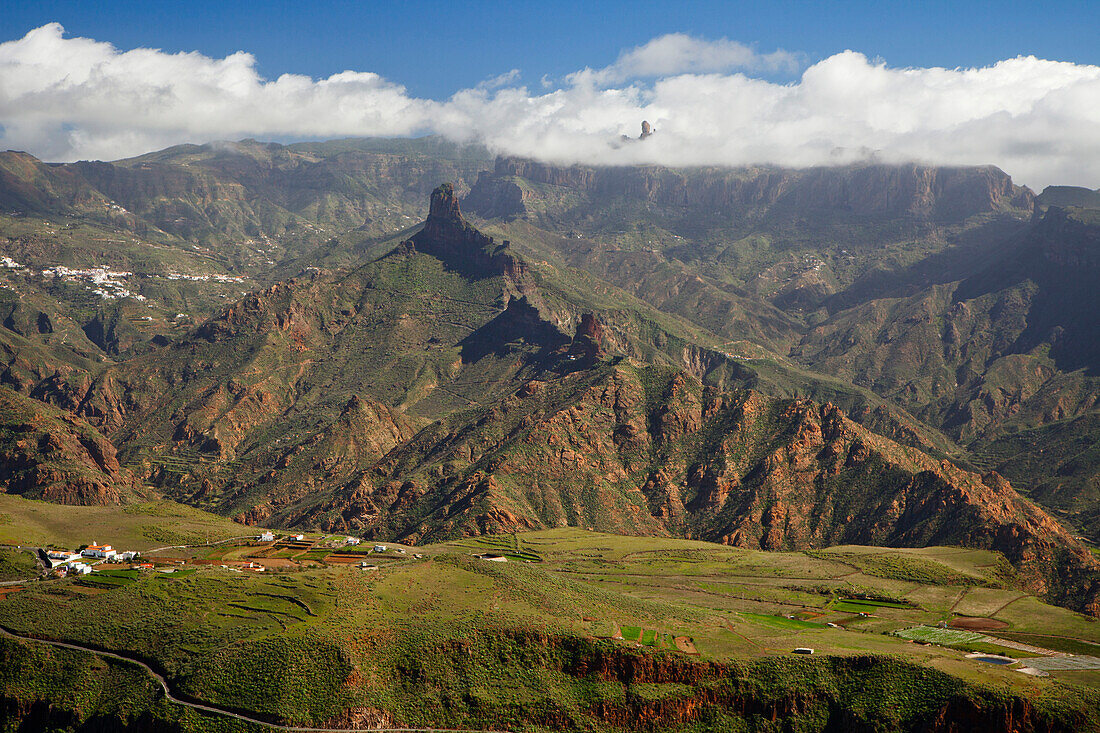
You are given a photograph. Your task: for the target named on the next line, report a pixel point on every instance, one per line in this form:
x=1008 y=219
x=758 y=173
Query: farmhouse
x=379 y=548
x=80 y=568
x=352 y=541
x=97 y=550
x=298 y=537
x=267 y=537
x=60 y=558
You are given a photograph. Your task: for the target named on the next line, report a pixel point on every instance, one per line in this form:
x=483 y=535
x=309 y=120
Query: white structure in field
x=379 y=548
x=352 y=541
x=267 y=537
x=298 y=537
x=80 y=568
x=61 y=558
x=97 y=550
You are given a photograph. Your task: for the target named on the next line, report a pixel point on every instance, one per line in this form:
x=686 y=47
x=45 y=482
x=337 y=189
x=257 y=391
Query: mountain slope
x=435 y=390
x=951 y=293
x=50 y=455
x=648 y=450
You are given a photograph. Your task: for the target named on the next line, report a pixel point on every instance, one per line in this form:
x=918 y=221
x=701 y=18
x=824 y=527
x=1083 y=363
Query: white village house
x=267 y=537
x=97 y=550
x=58 y=558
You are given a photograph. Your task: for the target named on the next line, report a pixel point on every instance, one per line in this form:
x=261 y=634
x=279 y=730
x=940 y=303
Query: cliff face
x=935 y=193
x=1068 y=238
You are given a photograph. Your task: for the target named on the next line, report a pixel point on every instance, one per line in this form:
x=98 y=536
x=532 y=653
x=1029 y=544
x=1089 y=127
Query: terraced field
x=303 y=644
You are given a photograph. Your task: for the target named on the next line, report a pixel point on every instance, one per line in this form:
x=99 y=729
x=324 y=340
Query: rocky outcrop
x=449 y=237
x=496 y=197
x=587 y=343
x=1067 y=240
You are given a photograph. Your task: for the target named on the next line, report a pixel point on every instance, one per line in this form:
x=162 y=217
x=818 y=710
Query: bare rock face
x=49 y=455
x=647 y=130
x=496 y=197
x=443 y=207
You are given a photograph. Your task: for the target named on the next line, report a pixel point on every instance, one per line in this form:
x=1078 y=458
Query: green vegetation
x=1055 y=643
x=109 y=577
x=17 y=564
x=943 y=636
x=419 y=393
x=781 y=622
x=858 y=605
x=46 y=524
x=454 y=641
x=898 y=566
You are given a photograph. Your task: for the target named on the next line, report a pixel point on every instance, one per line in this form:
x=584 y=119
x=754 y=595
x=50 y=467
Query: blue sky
x=437 y=48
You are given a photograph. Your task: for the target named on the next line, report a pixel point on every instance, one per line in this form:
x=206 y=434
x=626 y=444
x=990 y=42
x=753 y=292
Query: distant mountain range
x=315 y=335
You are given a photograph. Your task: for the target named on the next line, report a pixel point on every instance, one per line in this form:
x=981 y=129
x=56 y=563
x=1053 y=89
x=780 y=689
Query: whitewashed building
x=96 y=550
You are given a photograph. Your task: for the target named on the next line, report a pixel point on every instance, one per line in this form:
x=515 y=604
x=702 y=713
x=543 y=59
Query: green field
x=140 y=526
x=455 y=641
x=858 y=605
x=940 y=636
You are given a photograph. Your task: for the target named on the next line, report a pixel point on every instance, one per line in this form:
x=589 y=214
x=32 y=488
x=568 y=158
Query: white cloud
x=69 y=98
x=679 y=53
x=499 y=80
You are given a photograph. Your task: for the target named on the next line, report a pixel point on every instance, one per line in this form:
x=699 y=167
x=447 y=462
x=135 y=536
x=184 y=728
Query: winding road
x=215 y=710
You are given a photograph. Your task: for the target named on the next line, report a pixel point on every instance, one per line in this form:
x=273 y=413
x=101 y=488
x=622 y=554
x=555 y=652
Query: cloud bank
x=77 y=98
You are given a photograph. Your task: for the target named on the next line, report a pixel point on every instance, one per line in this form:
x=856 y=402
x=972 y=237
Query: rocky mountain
x=51 y=455
x=243 y=191
x=951 y=293
x=763 y=357
x=648 y=450
x=435 y=392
